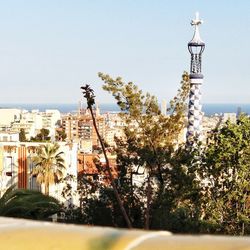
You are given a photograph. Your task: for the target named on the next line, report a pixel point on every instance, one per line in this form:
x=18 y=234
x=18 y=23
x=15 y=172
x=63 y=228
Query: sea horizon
x=208 y=108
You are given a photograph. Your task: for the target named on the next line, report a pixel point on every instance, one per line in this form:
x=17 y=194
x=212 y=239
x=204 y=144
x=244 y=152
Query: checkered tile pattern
x=194 y=129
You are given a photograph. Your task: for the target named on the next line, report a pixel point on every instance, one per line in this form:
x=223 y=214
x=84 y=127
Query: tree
x=88 y=93
x=150 y=138
x=60 y=135
x=178 y=207
x=49 y=165
x=42 y=136
x=22 y=135
x=149 y=133
x=147 y=149
x=226 y=169
x=30 y=204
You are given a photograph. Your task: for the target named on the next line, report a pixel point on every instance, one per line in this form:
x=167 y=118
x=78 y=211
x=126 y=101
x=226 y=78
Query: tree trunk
x=147 y=213
x=243 y=224
x=111 y=177
x=46 y=188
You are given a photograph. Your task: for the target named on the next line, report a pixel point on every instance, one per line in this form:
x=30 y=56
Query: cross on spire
x=196 y=37
x=197 y=21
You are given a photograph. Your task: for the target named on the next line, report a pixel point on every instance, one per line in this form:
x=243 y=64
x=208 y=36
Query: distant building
x=8 y=115
x=32 y=122
x=29 y=127
x=9 y=136
x=85 y=145
x=164 y=107
x=80 y=127
x=232 y=117
x=16 y=164
x=239 y=111
x=70 y=126
x=50 y=120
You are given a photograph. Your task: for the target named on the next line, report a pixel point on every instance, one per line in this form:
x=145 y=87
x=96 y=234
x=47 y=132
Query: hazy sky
x=49 y=48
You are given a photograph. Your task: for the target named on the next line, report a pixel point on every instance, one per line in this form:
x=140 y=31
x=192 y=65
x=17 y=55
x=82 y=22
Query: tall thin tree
x=88 y=93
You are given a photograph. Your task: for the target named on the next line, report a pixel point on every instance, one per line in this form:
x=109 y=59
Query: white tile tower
x=196 y=47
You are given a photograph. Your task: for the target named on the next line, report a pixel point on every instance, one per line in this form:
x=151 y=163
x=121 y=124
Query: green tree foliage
x=198 y=189
x=149 y=144
x=60 y=135
x=226 y=167
x=30 y=204
x=49 y=165
x=43 y=136
x=149 y=134
x=22 y=135
x=146 y=149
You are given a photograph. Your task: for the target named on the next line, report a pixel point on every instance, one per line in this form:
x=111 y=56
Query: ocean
x=209 y=108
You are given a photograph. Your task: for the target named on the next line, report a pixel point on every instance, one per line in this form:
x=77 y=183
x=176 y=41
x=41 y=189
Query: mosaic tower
x=196 y=47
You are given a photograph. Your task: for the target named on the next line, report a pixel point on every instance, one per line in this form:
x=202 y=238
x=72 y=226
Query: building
x=32 y=122
x=232 y=117
x=50 y=120
x=87 y=167
x=70 y=126
x=9 y=136
x=16 y=165
x=164 y=107
x=80 y=127
x=7 y=116
x=28 y=125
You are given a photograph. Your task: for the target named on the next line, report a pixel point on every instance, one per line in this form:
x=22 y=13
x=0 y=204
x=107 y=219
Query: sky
x=49 y=48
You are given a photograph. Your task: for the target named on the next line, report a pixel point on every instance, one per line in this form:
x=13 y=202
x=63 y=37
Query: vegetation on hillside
x=204 y=189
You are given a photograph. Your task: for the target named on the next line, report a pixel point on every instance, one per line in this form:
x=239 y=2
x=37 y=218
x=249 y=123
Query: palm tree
x=49 y=165
x=30 y=204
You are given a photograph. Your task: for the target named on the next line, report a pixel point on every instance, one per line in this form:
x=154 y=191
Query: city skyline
x=49 y=49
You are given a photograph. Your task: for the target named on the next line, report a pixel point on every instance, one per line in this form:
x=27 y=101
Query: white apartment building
x=111 y=133
x=50 y=119
x=32 y=122
x=9 y=136
x=28 y=126
x=8 y=115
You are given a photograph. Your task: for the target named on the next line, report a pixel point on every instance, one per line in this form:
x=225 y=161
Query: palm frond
x=31 y=204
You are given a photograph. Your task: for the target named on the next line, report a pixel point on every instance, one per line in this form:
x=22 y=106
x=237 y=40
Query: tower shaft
x=196 y=47
x=194 y=128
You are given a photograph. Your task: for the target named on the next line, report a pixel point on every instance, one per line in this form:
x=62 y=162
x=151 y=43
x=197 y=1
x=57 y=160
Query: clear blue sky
x=49 y=48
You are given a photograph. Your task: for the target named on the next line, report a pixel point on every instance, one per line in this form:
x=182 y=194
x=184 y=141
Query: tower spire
x=196 y=47
x=196 y=37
